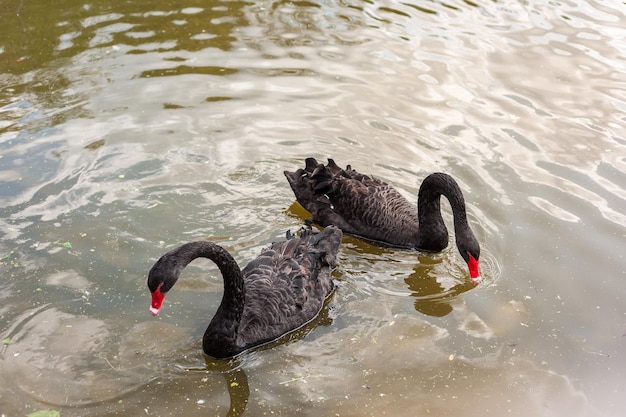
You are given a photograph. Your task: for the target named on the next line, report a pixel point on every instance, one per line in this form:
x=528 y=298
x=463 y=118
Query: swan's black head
x=162 y=278
x=470 y=251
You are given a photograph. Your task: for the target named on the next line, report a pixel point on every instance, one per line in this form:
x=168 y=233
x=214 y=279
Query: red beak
x=157 y=301
x=472 y=264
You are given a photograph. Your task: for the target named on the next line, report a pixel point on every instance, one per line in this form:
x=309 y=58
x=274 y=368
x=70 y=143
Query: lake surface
x=127 y=128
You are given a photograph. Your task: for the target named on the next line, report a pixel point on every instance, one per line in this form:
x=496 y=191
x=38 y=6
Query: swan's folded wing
x=287 y=284
x=359 y=204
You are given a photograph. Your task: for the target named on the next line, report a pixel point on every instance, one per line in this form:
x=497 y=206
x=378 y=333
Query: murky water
x=128 y=128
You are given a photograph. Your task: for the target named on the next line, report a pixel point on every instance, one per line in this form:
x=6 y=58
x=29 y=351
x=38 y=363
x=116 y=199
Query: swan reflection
x=431 y=296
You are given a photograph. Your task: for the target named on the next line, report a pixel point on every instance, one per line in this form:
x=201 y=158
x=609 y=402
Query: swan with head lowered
x=278 y=292
x=367 y=207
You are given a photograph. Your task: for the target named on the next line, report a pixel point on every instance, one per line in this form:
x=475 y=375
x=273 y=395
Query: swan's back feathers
x=287 y=284
x=358 y=204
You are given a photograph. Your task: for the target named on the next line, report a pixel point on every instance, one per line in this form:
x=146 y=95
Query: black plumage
x=278 y=292
x=367 y=207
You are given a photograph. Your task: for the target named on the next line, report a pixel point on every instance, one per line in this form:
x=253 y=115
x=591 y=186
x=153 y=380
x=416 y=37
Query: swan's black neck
x=220 y=338
x=432 y=232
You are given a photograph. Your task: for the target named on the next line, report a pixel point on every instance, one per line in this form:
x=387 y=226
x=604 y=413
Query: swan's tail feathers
x=305 y=230
x=310 y=164
x=296 y=182
x=333 y=168
x=313 y=187
x=286 y=248
x=321 y=176
x=314 y=177
x=327 y=243
x=310 y=184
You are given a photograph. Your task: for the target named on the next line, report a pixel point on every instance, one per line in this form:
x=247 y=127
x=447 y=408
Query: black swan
x=367 y=207
x=278 y=292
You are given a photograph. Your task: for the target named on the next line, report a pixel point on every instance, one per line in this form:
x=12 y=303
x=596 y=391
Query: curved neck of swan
x=432 y=232
x=221 y=334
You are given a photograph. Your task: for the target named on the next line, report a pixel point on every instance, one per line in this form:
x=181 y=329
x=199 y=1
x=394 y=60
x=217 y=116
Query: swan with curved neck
x=367 y=207
x=276 y=293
